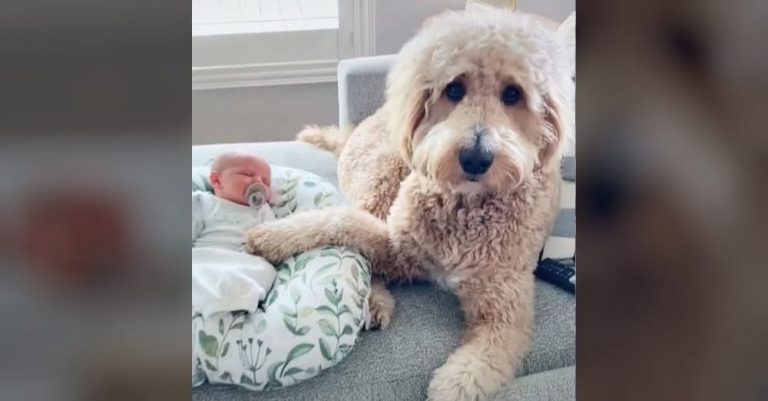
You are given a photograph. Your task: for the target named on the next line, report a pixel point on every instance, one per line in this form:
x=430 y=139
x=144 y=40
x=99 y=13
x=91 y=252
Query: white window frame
x=233 y=61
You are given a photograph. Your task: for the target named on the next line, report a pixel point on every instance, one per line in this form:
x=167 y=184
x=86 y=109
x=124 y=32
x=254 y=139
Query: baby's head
x=233 y=173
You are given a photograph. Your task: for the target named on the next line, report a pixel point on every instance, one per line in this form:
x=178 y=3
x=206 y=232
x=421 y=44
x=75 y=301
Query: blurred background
x=94 y=201
x=95 y=135
x=672 y=141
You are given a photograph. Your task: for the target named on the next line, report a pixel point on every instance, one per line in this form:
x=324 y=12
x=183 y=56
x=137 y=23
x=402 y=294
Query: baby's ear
x=215 y=180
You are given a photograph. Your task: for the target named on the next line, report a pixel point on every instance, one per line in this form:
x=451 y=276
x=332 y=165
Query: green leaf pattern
x=296 y=190
x=310 y=318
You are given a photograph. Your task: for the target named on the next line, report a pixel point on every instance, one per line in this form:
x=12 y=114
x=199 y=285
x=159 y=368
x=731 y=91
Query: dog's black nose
x=475 y=160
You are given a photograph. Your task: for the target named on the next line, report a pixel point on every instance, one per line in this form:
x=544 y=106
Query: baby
x=224 y=277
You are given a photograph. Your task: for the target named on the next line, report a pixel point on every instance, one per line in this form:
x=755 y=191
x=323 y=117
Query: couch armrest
x=362 y=82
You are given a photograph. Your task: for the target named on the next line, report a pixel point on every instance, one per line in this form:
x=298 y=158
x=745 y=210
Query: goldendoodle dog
x=455 y=179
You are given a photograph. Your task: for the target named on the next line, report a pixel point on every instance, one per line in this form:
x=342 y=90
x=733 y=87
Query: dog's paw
x=452 y=383
x=381 y=305
x=382 y=309
x=269 y=242
x=464 y=377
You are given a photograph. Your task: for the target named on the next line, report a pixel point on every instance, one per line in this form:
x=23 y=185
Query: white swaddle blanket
x=225 y=278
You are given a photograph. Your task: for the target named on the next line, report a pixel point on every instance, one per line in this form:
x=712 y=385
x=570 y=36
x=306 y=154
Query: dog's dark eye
x=455 y=91
x=511 y=95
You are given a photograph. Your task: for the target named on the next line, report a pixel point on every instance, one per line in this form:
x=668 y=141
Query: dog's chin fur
x=472 y=187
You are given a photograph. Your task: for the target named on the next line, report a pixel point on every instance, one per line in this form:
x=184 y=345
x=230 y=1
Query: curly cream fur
x=418 y=216
x=328 y=138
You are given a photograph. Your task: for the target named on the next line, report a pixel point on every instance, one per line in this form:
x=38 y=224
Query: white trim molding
x=243 y=76
x=357 y=28
x=365 y=29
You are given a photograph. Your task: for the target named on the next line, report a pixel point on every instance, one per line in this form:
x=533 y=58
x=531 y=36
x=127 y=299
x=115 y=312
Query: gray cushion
x=361 y=87
x=551 y=385
x=395 y=364
x=569 y=168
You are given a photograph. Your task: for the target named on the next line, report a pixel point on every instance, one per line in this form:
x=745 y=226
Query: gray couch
x=395 y=364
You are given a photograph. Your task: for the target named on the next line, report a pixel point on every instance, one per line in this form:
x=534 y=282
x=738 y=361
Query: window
x=238 y=43
x=222 y=17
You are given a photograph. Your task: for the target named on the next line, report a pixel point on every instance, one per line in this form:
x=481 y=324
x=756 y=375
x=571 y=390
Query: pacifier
x=256 y=195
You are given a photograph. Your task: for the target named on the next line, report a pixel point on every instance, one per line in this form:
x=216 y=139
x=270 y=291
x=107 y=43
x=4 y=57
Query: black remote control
x=557 y=273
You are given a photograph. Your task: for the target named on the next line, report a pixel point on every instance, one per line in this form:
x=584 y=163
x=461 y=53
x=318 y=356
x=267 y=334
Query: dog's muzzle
x=475 y=161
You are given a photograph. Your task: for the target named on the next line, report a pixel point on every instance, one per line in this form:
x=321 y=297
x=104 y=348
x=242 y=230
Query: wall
x=558 y=10
x=270 y=113
x=398 y=20
x=278 y=112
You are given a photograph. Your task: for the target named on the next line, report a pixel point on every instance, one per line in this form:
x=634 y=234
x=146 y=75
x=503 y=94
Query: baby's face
x=232 y=179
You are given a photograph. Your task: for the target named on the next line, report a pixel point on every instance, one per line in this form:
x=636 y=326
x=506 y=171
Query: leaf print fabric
x=310 y=318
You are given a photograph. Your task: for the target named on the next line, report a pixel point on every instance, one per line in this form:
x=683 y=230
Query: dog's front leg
x=280 y=239
x=301 y=232
x=499 y=318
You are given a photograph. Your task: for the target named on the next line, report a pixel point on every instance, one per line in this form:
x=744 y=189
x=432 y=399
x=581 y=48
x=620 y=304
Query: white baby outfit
x=224 y=277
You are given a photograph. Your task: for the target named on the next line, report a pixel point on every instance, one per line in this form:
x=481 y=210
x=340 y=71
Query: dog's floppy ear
x=414 y=112
x=405 y=107
x=556 y=128
x=557 y=99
